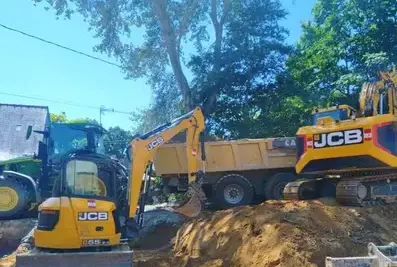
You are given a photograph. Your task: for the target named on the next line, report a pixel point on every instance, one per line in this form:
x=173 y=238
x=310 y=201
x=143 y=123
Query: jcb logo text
x=93 y=216
x=340 y=138
x=155 y=143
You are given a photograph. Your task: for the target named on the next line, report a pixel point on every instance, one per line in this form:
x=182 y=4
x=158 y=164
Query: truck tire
x=13 y=199
x=233 y=190
x=274 y=187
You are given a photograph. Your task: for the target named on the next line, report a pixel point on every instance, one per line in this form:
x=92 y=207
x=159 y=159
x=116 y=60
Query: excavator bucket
x=117 y=257
x=193 y=202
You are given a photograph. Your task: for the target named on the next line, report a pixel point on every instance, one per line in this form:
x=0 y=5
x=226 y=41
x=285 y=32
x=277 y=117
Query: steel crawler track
x=352 y=189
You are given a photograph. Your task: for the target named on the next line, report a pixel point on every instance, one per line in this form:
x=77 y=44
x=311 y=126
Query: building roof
x=14 y=122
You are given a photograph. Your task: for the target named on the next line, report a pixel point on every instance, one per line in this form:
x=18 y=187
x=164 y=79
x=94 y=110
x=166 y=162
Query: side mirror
x=29 y=132
x=42 y=155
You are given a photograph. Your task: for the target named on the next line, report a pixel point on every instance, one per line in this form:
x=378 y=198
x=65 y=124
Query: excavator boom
x=143 y=151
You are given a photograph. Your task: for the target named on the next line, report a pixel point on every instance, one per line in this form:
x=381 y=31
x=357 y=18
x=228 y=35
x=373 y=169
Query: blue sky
x=33 y=68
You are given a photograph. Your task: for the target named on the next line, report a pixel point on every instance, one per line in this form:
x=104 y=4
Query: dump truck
x=236 y=172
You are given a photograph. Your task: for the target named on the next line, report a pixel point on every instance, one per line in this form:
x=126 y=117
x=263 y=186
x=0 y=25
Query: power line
x=101 y=109
x=49 y=100
x=58 y=45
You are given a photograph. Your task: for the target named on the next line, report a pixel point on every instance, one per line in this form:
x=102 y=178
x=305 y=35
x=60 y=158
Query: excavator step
x=120 y=256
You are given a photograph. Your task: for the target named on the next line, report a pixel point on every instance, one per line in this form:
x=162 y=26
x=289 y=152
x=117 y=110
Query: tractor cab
x=332 y=114
x=68 y=137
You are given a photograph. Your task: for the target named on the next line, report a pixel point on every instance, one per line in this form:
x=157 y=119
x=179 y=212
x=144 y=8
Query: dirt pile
x=11 y=233
x=277 y=234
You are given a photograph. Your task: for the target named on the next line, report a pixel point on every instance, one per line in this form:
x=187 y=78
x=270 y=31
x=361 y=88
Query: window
x=82 y=179
x=339 y=114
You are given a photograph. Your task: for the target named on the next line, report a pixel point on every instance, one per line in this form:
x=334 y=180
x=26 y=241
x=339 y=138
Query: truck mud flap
x=117 y=257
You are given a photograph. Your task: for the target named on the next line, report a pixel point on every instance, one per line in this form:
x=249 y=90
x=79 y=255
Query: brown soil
x=282 y=233
x=277 y=234
x=11 y=233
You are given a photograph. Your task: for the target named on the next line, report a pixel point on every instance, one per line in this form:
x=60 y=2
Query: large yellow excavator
x=80 y=224
x=351 y=155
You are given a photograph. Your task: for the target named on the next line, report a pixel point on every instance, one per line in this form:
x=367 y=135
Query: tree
x=345 y=44
x=58 y=117
x=167 y=25
x=62 y=118
x=116 y=140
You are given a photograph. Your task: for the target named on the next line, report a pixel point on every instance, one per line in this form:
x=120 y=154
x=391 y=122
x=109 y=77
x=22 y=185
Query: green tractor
x=26 y=181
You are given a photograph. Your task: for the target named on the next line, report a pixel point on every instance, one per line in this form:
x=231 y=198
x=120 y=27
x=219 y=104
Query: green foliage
x=116 y=140
x=58 y=117
x=234 y=46
x=346 y=43
x=62 y=118
x=249 y=82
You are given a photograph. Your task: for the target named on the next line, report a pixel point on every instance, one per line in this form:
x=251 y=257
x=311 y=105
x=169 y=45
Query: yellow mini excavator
x=80 y=225
x=351 y=155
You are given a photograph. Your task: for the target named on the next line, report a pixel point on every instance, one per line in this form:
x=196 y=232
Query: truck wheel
x=13 y=198
x=233 y=190
x=274 y=187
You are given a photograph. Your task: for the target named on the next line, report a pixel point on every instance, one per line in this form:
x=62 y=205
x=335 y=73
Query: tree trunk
x=218 y=27
x=170 y=39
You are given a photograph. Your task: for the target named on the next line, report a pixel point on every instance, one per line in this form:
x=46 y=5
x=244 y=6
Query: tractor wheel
x=13 y=199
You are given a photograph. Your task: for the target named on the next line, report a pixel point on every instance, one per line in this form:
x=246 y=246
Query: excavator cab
x=332 y=114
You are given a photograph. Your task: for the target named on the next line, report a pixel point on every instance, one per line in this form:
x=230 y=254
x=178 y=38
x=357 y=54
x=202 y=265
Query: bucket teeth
x=193 y=203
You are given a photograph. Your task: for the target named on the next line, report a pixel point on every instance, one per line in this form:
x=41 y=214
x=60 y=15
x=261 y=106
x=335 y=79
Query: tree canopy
x=231 y=57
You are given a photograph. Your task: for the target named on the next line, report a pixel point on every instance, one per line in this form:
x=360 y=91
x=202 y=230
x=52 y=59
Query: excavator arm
x=144 y=147
x=380 y=97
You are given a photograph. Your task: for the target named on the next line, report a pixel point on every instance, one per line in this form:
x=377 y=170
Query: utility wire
x=58 y=45
x=49 y=100
x=65 y=102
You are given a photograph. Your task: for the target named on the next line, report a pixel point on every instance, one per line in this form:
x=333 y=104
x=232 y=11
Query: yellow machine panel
x=93 y=220
x=347 y=145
